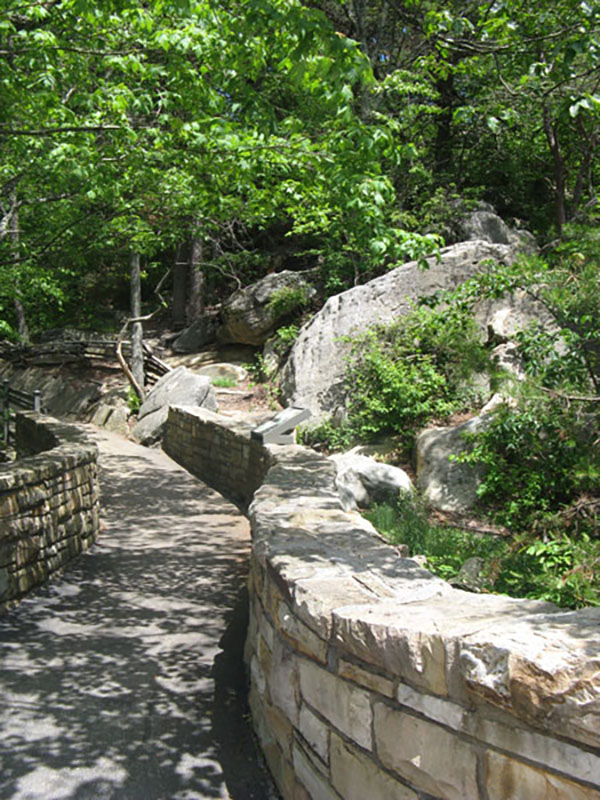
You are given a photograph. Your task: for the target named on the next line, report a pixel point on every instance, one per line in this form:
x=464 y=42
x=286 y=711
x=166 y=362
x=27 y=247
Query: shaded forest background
x=224 y=140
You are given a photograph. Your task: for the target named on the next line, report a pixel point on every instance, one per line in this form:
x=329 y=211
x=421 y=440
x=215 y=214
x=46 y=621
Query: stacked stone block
x=371 y=678
x=216 y=449
x=48 y=503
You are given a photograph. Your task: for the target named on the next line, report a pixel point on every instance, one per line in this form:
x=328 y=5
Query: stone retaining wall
x=218 y=450
x=371 y=679
x=48 y=503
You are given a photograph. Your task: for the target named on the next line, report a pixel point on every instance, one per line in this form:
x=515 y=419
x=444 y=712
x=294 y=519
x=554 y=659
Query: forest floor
x=247 y=395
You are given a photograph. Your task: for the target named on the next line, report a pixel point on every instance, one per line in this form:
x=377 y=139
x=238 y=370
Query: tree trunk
x=443 y=137
x=560 y=176
x=180 y=281
x=584 y=173
x=195 y=306
x=137 y=331
x=22 y=327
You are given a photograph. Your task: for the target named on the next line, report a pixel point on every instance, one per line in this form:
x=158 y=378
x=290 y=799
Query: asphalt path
x=123 y=678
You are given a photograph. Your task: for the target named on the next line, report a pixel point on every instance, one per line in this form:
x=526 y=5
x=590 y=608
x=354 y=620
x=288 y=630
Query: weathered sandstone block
x=426 y=755
x=315 y=731
x=356 y=777
x=314 y=781
x=347 y=707
x=508 y=779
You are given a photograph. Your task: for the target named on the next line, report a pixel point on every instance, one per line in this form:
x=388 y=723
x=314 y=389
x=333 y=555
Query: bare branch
x=139 y=390
x=64 y=48
x=64 y=129
x=576 y=398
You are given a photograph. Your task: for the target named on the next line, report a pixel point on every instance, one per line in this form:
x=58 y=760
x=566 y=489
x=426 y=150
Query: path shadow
x=123 y=679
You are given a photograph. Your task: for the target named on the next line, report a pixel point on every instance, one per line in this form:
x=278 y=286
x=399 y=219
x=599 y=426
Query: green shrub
x=257 y=370
x=326 y=436
x=133 y=400
x=288 y=300
x=564 y=569
x=287 y=334
x=538 y=456
x=401 y=376
x=285 y=338
x=446 y=548
x=7 y=332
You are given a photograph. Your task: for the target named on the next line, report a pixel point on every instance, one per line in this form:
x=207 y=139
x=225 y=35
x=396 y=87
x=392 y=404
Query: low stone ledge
x=364 y=664
x=48 y=503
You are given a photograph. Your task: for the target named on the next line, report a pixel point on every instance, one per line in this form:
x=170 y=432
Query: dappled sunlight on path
x=123 y=679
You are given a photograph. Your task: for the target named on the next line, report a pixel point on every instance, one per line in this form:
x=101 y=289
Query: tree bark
x=560 y=177
x=137 y=331
x=584 y=173
x=195 y=306
x=180 y=281
x=443 y=136
x=22 y=326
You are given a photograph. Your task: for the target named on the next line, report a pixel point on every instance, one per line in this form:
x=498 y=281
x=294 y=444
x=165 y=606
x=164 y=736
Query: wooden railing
x=91 y=353
x=15 y=398
x=80 y=353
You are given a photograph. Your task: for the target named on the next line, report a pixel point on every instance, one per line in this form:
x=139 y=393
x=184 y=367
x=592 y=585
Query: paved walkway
x=123 y=679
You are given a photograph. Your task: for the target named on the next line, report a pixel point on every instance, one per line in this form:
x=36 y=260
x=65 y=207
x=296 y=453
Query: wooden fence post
x=5 y=411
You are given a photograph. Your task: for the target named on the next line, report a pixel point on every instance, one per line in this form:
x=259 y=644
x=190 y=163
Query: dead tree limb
x=135 y=384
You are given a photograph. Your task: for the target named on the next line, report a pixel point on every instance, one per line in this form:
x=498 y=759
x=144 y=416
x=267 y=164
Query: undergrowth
x=224 y=382
x=563 y=569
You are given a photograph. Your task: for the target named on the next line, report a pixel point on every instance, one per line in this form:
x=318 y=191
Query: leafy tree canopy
x=128 y=126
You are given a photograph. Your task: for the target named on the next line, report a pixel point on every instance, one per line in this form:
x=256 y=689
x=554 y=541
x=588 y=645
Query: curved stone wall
x=371 y=678
x=48 y=503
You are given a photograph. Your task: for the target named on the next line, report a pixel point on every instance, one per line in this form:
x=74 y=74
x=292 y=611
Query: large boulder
x=362 y=481
x=112 y=411
x=249 y=316
x=484 y=224
x=178 y=387
x=446 y=484
x=201 y=332
x=313 y=376
x=499 y=320
x=75 y=403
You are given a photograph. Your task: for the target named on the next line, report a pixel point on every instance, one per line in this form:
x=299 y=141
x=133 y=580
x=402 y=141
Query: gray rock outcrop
x=63 y=395
x=70 y=396
x=507 y=358
x=313 y=376
x=178 y=387
x=499 y=320
x=362 y=481
x=112 y=412
x=446 y=484
x=248 y=317
x=485 y=225
x=201 y=332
